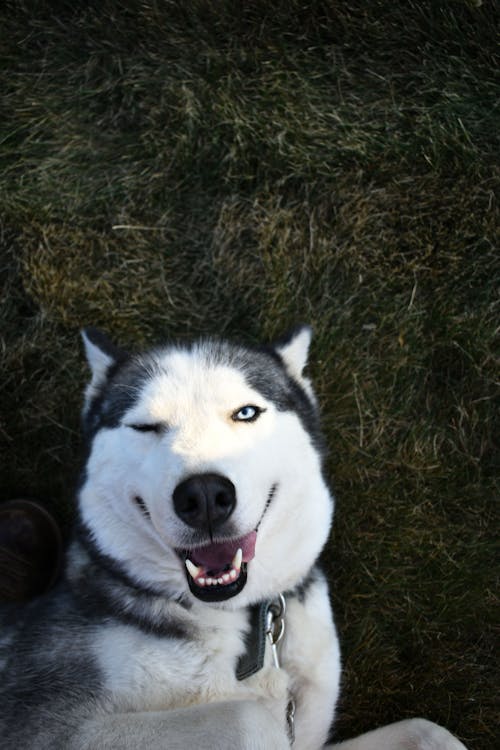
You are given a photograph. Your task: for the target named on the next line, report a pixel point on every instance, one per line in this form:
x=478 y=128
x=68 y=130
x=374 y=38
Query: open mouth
x=218 y=571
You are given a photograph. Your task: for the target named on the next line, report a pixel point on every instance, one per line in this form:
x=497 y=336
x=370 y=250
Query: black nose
x=205 y=501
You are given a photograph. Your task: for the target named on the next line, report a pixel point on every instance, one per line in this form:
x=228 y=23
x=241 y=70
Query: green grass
x=174 y=169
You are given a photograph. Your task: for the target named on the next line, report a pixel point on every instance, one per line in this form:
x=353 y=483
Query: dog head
x=203 y=476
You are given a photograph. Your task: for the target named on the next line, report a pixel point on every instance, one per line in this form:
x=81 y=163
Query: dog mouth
x=218 y=571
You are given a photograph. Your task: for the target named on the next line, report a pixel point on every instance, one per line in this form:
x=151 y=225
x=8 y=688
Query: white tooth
x=193 y=569
x=226 y=577
x=236 y=564
x=220 y=580
x=200 y=581
x=210 y=581
x=233 y=574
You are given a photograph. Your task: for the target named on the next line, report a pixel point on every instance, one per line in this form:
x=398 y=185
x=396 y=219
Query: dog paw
x=274 y=693
x=425 y=735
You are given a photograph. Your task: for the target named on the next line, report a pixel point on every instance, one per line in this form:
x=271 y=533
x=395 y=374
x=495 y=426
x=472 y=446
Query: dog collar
x=267 y=622
x=255 y=642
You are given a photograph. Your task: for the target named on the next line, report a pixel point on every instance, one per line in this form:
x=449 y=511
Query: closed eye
x=247 y=413
x=156 y=427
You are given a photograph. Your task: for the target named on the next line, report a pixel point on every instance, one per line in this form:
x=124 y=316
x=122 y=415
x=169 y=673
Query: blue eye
x=247 y=413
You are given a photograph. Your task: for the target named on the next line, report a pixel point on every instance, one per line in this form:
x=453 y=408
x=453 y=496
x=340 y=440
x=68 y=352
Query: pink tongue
x=216 y=556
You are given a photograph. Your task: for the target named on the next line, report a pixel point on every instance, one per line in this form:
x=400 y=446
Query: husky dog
x=192 y=613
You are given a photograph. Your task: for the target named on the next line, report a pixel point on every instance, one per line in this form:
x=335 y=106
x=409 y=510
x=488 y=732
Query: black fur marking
x=113 y=568
x=141 y=505
x=100 y=597
x=124 y=382
x=303 y=588
x=269 y=500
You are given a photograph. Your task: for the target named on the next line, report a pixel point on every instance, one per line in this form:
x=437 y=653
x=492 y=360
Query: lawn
x=170 y=169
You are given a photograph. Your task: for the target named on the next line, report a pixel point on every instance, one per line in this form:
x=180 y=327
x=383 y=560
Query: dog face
x=204 y=471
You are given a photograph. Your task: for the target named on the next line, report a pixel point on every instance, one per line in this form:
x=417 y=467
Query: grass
x=171 y=169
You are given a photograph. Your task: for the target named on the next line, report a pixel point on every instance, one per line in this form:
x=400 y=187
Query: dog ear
x=101 y=355
x=294 y=350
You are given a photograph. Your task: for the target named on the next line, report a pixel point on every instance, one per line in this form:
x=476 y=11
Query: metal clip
x=275 y=626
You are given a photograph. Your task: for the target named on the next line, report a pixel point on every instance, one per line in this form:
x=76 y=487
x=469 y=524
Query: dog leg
x=232 y=725
x=411 y=734
x=311 y=655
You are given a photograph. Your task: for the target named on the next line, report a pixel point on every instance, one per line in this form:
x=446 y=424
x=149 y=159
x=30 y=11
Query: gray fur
x=51 y=684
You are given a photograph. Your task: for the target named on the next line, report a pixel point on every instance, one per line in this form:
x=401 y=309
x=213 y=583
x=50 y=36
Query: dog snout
x=205 y=501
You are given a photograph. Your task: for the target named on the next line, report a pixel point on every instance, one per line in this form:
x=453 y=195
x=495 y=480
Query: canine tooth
x=236 y=564
x=193 y=569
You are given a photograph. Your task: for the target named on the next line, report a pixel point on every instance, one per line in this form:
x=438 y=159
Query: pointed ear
x=101 y=355
x=294 y=350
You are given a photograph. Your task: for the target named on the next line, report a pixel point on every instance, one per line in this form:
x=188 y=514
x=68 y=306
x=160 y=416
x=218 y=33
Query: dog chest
x=142 y=671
